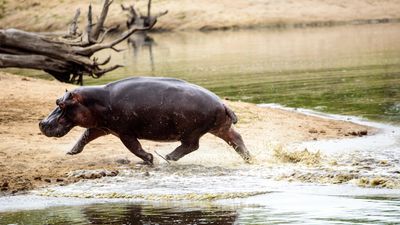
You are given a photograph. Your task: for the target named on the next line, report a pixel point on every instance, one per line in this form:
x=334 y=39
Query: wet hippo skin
x=158 y=109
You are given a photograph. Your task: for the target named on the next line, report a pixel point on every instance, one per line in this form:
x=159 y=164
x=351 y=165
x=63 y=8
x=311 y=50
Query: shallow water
x=296 y=205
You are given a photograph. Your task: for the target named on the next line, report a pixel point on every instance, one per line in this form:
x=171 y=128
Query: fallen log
x=67 y=58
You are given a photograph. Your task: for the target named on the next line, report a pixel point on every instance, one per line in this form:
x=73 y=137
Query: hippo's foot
x=148 y=161
x=172 y=157
x=144 y=163
x=78 y=148
x=73 y=152
x=248 y=159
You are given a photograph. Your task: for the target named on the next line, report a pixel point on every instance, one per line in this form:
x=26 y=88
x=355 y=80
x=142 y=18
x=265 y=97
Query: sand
x=35 y=15
x=30 y=160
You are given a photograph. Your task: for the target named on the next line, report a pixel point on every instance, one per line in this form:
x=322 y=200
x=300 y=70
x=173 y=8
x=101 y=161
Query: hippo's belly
x=169 y=125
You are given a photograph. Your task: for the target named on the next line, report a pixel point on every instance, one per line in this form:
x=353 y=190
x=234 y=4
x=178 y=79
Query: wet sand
x=29 y=160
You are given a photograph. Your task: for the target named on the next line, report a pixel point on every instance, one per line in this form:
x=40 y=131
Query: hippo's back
x=164 y=107
x=158 y=88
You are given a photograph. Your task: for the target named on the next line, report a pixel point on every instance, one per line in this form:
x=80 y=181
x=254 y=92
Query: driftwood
x=66 y=58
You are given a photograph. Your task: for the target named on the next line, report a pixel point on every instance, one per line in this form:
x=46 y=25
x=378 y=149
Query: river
x=347 y=70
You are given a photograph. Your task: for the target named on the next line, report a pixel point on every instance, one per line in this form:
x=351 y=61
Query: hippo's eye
x=61 y=105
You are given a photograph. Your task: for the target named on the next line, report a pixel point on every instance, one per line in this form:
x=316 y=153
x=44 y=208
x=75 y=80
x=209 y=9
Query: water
x=289 y=207
x=351 y=70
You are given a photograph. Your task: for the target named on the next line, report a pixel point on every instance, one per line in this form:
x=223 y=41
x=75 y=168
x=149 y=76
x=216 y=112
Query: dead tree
x=66 y=58
x=135 y=18
x=140 y=39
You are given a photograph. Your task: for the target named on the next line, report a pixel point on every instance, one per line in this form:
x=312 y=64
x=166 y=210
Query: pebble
x=123 y=161
x=92 y=174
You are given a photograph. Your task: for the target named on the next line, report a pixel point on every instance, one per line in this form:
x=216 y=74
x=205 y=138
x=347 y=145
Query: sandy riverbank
x=30 y=160
x=37 y=15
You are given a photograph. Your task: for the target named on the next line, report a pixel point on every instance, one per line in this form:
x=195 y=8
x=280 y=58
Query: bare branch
x=105 y=32
x=148 y=8
x=104 y=62
x=94 y=35
x=97 y=47
x=161 y=14
x=73 y=28
x=100 y=72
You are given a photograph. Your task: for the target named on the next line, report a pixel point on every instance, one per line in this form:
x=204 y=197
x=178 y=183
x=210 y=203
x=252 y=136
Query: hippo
x=150 y=108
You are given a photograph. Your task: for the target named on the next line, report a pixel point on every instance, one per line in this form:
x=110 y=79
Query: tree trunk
x=66 y=58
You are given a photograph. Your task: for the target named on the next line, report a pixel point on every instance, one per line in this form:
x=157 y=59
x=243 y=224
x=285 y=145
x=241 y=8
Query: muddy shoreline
x=29 y=160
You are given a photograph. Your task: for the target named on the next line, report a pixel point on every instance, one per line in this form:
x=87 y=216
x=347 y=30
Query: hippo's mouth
x=54 y=131
x=56 y=124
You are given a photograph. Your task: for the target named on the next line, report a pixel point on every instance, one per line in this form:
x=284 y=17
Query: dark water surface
x=273 y=208
x=122 y=213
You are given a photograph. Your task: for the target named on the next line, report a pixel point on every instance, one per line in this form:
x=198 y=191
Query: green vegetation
x=2 y=8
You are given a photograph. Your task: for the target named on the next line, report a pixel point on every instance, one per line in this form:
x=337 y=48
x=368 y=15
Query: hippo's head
x=70 y=112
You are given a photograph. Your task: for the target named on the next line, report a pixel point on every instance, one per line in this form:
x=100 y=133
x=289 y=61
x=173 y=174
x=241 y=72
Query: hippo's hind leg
x=234 y=139
x=89 y=135
x=188 y=145
x=136 y=148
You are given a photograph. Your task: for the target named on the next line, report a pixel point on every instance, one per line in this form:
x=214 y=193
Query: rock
x=122 y=161
x=92 y=174
x=312 y=131
x=5 y=184
x=363 y=132
x=59 y=180
x=358 y=133
x=377 y=181
x=47 y=180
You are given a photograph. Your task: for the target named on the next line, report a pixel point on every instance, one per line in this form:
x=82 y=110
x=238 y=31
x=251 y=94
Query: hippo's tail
x=231 y=114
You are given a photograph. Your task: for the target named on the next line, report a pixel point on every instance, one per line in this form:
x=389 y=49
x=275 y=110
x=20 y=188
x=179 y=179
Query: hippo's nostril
x=42 y=125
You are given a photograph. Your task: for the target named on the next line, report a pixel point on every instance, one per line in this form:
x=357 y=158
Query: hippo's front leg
x=136 y=148
x=89 y=135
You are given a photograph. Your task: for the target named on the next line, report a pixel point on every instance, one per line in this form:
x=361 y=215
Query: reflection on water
x=122 y=213
x=139 y=41
x=345 y=70
x=296 y=205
